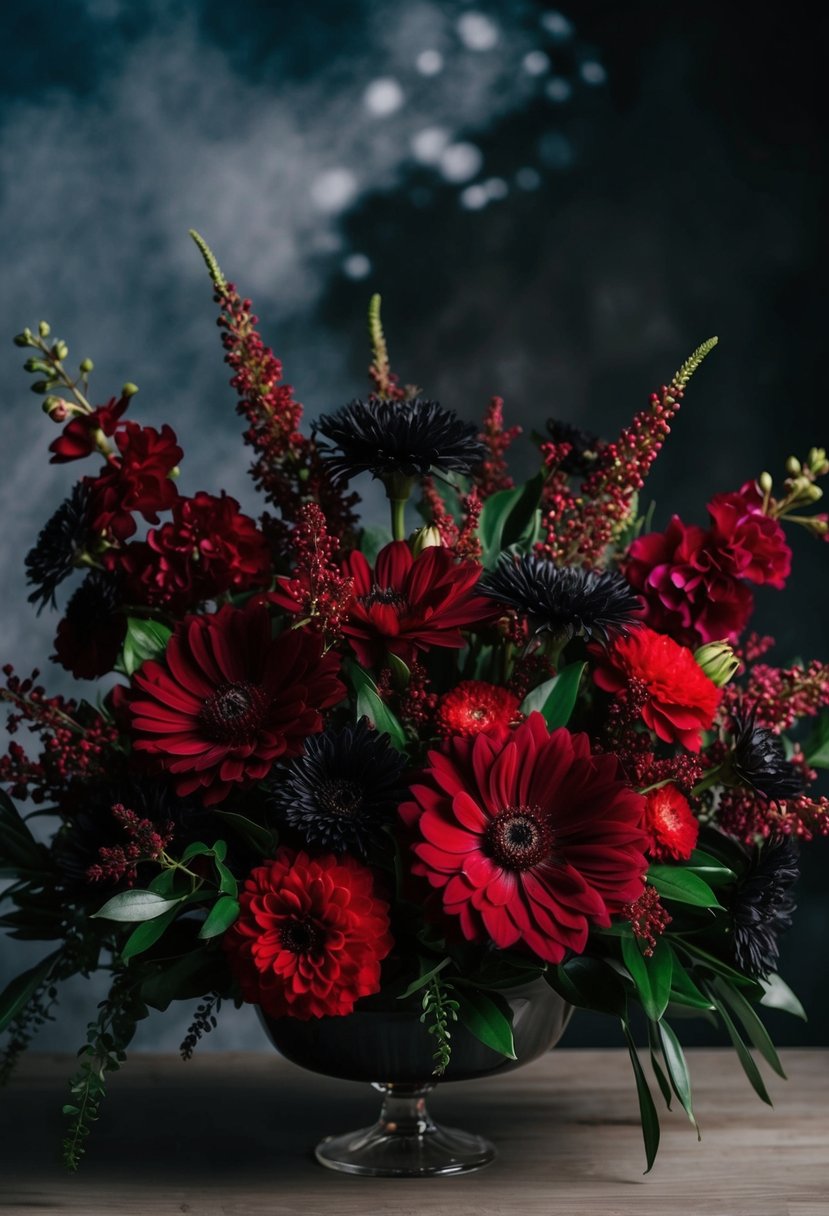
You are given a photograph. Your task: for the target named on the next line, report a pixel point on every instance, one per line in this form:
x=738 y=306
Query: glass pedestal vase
x=389 y=1047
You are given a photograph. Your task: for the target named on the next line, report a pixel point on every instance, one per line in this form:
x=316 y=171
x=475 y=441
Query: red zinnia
x=528 y=837
x=678 y=701
x=229 y=700
x=407 y=603
x=672 y=825
x=473 y=706
x=310 y=936
x=138 y=480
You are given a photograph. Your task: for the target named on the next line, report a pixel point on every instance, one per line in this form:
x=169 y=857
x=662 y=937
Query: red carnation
x=310 y=936
x=80 y=436
x=528 y=837
x=677 y=699
x=407 y=603
x=208 y=548
x=229 y=700
x=138 y=480
x=473 y=706
x=672 y=825
x=689 y=585
x=753 y=545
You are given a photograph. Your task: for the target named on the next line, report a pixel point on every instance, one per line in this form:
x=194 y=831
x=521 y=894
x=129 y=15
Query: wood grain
x=231 y=1134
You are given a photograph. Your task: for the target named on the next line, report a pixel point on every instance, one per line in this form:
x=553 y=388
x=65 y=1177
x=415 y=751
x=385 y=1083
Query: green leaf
x=647 y=1110
x=196 y=848
x=16 y=995
x=370 y=706
x=752 y=1024
x=259 y=837
x=558 y=707
x=684 y=991
x=427 y=972
x=145 y=639
x=711 y=963
x=709 y=869
x=652 y=976
x=220 y=917
x=135 y=905
x=18 y=846
x=183 y=978
x=743 y=1054
x=778 y=995
x=147 y=934
x=816 y=747
x=399 y=671
x=589 y=983
x=677 y=1067
x=683 y=886
x=506 y=516
x=357 y=676
x=227 y=880
x=658 y=1071
x=489 y=1018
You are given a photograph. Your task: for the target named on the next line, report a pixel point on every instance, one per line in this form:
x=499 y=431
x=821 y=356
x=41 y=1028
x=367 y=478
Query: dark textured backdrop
x=557 y=205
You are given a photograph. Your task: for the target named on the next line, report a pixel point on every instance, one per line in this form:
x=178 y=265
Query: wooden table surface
x=230 y=1135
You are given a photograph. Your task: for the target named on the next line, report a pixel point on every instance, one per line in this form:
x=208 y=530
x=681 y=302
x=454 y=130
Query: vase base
x=383 y=1152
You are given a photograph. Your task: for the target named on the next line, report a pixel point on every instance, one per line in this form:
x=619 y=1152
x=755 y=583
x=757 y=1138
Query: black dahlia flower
x=762 y=906
x=92 y=630
x=59 y=545
x=584 y=446
x=758 y=760
x=342 y=791
x=385 y=438
x=563 y=599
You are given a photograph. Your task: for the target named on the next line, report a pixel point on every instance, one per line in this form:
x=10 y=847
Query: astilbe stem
x=386 y=383
x=493 y=474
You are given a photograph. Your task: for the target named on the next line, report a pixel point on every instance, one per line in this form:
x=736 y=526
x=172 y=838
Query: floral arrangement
x=529 y=738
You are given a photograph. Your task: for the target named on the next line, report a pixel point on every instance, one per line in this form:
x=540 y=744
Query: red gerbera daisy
x=310 y=936
x=672 y=825
x=677 y=698
x=228 y=700
x=529 y=838
x=473 y=706
x=407 y=603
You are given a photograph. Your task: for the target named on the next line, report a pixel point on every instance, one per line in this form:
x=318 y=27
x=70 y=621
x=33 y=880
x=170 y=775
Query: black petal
x=410 y=437
x=585 y=446
x=342 y=791
x=563 y=599
x=762 y=905
x=759 y=760
x=59 y=545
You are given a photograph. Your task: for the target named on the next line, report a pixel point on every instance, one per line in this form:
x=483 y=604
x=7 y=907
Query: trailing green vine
x=204 y=1020
x=439 y=1010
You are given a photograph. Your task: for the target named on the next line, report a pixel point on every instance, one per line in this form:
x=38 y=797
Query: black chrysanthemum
x=584 y=446
x=759 y=761
x=90 y=825
x=342 y=791
x=762 y=906
x=92 y=630
x=59 y=545
x=563 y=599
x=385 y=438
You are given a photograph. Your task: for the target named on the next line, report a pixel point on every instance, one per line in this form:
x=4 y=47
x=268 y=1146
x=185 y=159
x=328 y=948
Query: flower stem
x=712 y=777
x=398 y=518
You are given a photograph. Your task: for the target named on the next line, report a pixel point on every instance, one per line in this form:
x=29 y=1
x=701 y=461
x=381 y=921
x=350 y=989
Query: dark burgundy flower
x=228 y=700
x=688 y=584
x=310 y=936
x=528 y=837
x=751 y=545
x=672 y=825
x=584 y=446
x=678 y=701
x=474 y=706
x=60 y=544
x=759 y=761
x=207 y=549
x=92 y=631
x=80 y=437
x=762 y=905
x=407 y=604
x=136 y=482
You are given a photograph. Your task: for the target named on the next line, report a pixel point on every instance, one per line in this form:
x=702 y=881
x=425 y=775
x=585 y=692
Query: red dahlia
x=672 y=825
x=529 y=838
x=473 y=706
x=228 y=700
x=678 y=701
x=310 y=936
x=753 y=544
x=407 y=603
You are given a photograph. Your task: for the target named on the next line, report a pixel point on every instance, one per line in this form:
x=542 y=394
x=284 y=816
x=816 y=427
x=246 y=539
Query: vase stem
x=404 y=1110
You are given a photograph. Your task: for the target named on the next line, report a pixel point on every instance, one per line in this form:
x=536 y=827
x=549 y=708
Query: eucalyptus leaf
x=135 y=905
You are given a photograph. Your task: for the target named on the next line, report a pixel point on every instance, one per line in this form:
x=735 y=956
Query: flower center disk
x=300 y=936
x=234 y=713
x=519 y=838
x=339 y=796
x=383 y=595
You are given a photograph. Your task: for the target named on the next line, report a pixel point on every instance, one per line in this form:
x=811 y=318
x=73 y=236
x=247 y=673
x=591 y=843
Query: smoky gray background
x=556 y=203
